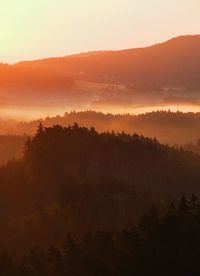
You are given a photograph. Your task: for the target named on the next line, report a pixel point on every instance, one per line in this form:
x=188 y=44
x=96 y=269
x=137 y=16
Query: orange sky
x=32 y=29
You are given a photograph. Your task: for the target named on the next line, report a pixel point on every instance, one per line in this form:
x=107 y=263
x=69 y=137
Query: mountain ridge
x=174 y=62
x=96 y=52
x=162 y=74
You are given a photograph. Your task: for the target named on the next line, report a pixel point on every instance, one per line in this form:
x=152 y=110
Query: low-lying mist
x=167 y=126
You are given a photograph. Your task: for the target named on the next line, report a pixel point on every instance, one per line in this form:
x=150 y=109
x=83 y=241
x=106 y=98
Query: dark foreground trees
x=73 y=179
x=157 y=245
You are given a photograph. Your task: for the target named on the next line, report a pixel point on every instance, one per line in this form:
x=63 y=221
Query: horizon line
x=76 y=54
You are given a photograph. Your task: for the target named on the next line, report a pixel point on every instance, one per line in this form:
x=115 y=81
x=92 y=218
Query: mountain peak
x=183 y=40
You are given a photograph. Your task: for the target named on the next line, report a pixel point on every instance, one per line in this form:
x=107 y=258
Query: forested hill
x=11 y=147
x=168 y=127
x=165 y=74
x=173 y=128
x=82 y=154
x=172 y=63
x=73 y=179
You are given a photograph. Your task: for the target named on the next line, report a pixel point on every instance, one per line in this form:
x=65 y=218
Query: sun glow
x=43 y=28
x=33 y=113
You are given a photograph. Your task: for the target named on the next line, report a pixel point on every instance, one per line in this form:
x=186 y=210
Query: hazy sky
x=40 y=28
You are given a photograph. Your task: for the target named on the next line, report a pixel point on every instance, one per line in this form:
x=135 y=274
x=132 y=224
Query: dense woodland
x=82 y=201
x=193 y=147
x=168 y=127
x=74 y=180
x=11 y=147
x=157 y=245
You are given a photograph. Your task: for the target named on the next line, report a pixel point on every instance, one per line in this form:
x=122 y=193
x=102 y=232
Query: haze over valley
x=99 y=138
x=160 y=77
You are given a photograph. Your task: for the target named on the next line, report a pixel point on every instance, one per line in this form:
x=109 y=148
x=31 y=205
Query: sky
x=32 y=29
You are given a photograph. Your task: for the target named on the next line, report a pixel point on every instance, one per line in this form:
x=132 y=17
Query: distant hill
x=172 y=128
x=168 y=127
x=28 y=86
x=172 y=63
x=162 y=74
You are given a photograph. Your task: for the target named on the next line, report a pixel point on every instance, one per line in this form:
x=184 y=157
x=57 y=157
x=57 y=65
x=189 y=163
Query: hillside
x=168 y=127
x=172 y=63
x=162 y=75
x=25 y=88
x=11 y=147
x=73 y=180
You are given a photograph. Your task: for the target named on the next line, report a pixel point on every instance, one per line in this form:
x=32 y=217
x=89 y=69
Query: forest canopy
x=74 y=180
x=168 y=127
